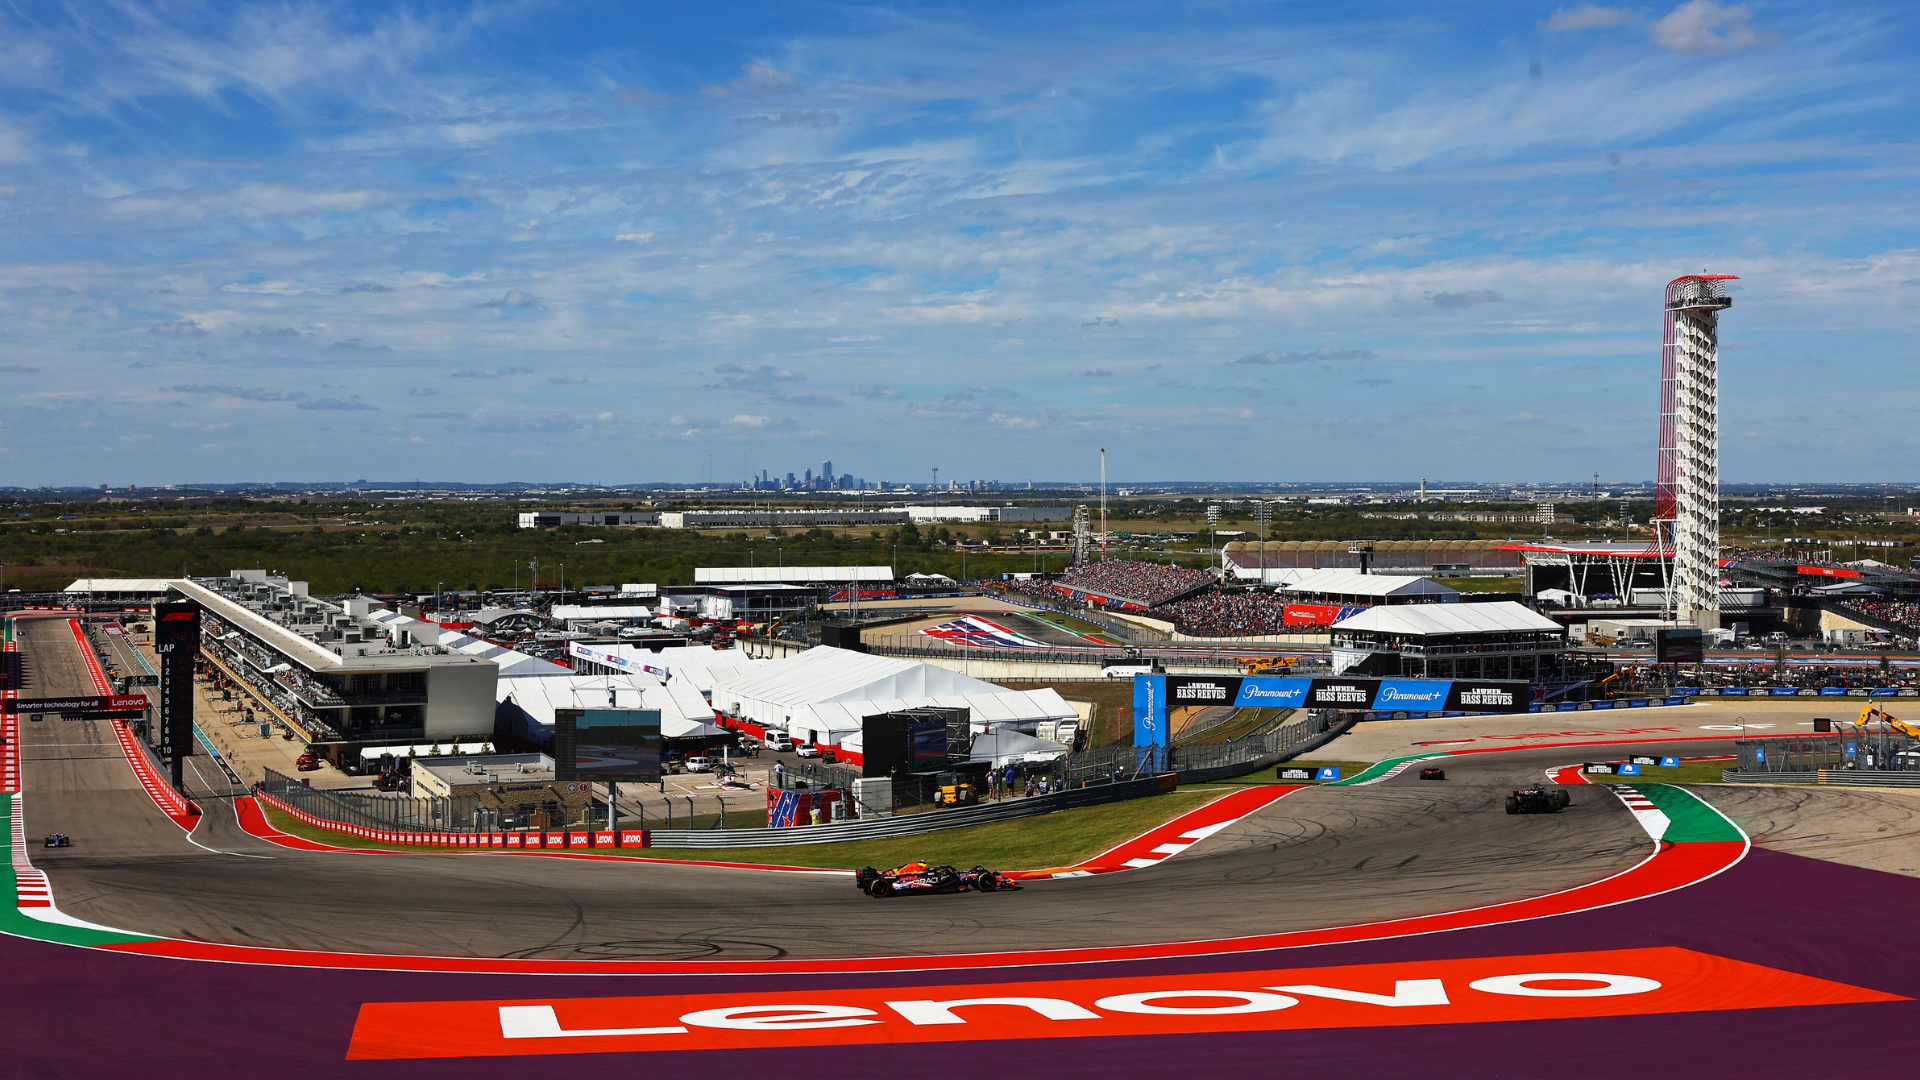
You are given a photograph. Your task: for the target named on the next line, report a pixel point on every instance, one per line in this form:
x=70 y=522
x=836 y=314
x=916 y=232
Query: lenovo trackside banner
x=1628 y=982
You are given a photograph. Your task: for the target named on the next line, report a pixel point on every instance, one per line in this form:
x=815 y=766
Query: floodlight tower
x=1687 y=492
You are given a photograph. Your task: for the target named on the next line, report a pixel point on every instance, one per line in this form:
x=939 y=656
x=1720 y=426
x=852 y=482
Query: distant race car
x=59 y=840
x=919 y=878
x=1538 y=799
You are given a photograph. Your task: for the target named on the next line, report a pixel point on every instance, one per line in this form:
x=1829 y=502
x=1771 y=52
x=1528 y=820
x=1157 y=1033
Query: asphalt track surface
x=1320 y=857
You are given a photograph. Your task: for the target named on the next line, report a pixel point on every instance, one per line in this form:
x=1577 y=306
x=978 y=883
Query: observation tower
x=1687 y=493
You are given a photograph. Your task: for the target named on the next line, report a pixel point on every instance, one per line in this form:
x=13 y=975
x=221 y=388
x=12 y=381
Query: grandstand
x=1131 y=584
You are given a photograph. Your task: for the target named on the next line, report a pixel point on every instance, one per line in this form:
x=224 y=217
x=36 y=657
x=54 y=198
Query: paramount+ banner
x=1373 y=695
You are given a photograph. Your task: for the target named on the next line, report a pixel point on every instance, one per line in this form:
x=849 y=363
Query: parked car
x=699 y=764
x=779 y=740
x=807 y=750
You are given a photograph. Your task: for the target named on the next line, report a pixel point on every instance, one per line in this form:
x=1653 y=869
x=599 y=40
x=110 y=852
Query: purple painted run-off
x=81 y=1013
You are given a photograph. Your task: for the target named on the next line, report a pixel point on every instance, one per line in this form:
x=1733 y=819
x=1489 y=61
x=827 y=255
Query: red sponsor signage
x=1625 y=982
x=1827 y=571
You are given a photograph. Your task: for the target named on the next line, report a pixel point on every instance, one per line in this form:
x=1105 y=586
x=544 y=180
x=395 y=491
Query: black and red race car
x=1538 y=799
x=921 y=878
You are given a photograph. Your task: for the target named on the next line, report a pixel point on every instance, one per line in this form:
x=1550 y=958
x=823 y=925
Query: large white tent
x=822 y=695
x=527 y=705
x=698 y=665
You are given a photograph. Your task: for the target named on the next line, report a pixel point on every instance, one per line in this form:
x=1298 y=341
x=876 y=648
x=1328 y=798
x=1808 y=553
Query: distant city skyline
x=606 y=240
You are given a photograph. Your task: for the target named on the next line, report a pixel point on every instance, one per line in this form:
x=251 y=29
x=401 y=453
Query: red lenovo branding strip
x=1629 y=982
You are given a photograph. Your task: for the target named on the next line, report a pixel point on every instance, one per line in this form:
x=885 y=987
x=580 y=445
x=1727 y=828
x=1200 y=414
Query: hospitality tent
x=822 y=695
x=1005 y=746
x=526 y=706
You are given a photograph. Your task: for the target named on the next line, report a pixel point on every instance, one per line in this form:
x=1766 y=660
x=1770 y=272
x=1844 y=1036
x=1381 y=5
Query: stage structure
x=1687 y=497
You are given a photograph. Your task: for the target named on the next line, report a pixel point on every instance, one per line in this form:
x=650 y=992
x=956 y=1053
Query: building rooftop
x=1418 y=620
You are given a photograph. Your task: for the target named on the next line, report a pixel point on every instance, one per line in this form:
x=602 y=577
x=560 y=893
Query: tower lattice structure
x=1687 y=492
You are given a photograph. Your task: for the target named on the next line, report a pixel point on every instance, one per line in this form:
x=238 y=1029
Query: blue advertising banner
x=1782 y=691
x=1425 y=695
x=1155 y=696
x=1733 y=691
x=1272 y=693
x=1149 y=710
x=1833 y=691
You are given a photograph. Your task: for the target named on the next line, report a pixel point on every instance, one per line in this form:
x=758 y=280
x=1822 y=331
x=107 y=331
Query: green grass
x=1242 y=723
x=1073 y=625
x=1058 y=839
x=1689 y=772
x=1486 y=584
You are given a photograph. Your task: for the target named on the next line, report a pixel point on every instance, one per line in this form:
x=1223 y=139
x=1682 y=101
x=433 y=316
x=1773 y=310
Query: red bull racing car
x=920 y=878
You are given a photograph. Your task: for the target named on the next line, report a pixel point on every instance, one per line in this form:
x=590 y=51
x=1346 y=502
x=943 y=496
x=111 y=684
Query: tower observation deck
x=1687 y=494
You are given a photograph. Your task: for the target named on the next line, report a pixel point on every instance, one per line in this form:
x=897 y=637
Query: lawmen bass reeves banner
x=1380 y=695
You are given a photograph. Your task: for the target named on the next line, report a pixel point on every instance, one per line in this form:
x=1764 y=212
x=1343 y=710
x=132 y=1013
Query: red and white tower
x=1687 y=493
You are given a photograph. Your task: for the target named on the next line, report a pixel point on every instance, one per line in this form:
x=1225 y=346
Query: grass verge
x=1058 y=839
x=1689 y=772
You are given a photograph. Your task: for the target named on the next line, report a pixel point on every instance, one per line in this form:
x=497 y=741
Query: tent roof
x=512 y=663
x=833 y=690
x=1336 y=581
x=1503 y=616
x=1005 y=746
x=683 y=713
x=129 y=585
x=827 y=674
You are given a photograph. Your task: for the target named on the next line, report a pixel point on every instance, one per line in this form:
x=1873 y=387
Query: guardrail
x=313 y=807
x=908 y=824
x=1827 y=777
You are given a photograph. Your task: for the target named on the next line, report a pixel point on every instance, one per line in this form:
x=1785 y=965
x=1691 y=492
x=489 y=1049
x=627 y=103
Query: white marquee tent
x=822 y=695
x=528 y=704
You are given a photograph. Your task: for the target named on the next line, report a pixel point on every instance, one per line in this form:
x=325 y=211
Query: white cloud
x=751 y=421
x=1585 y=17
x=1707 y=28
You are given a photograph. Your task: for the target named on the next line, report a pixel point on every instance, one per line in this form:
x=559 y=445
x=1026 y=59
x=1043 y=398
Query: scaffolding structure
x=1687 y=495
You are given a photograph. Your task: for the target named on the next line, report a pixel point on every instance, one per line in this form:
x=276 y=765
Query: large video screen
x=1680 y=645
x=620 y=745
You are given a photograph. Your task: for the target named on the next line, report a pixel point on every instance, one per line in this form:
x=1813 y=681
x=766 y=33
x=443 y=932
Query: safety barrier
x=1827 y=777
x=869 y=829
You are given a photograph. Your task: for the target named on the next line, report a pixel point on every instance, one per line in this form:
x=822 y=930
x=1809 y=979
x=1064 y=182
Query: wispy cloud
x=1702 y=26
x=516 y=299
x=1270 y=357
x=1585 y=17
x=1465 y=299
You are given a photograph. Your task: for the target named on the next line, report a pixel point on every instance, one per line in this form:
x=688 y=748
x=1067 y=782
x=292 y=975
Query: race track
x=1319 y=857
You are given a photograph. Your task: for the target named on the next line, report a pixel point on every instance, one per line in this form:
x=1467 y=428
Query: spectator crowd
x=1148 y=584
x=1228 y=613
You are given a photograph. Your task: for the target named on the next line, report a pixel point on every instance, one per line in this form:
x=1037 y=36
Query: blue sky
x=1234 y=241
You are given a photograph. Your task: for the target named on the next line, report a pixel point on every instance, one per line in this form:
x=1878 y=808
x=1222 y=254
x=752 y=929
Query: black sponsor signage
x=1488 y=697
x=1202 y=690
x=176 y=637
x=1644 y=759
x=1342 y=693
x=109 y=703
x=1284 y=773
x=1602 y=768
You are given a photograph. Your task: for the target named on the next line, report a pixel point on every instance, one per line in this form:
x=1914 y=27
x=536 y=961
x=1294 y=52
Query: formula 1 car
x=59 y=839
x=919 y=878
x=1538 y=799
x=1433 y=774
